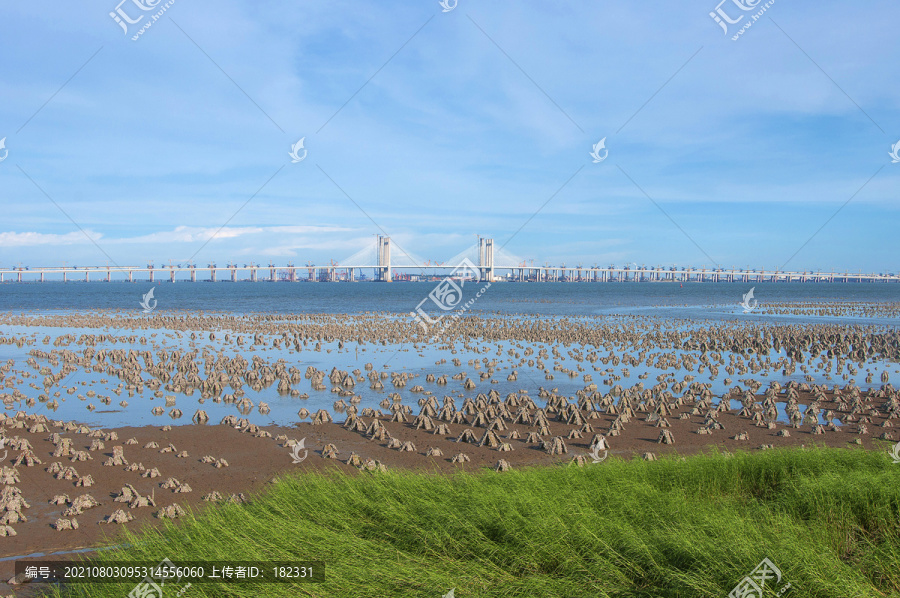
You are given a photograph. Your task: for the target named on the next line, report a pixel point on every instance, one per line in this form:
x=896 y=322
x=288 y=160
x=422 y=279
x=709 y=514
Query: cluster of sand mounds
x=12 y=507
x=117 y=458
x=555 y=446
x=118 y=516
x=330 y=451
x=79 y=505
x=64 y=524
x=373 y=465
x=28 y=458
x=503 y=465
x=9 y=475
x=173 y=511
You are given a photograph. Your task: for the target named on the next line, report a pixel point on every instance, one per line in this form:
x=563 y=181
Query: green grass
x=828 y=518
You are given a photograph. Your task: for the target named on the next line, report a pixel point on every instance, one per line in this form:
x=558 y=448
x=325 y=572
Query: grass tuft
x=692 y=527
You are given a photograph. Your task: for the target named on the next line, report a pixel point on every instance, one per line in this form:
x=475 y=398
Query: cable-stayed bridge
x=389 y=262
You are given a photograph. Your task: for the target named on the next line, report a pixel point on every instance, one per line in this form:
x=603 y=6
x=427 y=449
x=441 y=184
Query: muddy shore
x=256 y=456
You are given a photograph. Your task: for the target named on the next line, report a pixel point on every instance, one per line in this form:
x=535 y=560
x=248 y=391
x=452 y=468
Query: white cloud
x=181 y=234
x=29 y=239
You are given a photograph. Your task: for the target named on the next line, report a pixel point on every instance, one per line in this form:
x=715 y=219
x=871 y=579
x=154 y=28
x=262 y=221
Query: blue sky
x=433 y=127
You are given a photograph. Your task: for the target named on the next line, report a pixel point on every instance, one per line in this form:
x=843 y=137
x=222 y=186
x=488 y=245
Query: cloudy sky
x=433 y=127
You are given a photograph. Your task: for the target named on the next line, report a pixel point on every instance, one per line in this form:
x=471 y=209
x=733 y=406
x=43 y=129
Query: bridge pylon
x=383 y=252
x=486 y=259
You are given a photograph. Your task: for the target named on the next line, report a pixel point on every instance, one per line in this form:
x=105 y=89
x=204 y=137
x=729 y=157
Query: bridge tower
x=486 y=259
x=383 y=253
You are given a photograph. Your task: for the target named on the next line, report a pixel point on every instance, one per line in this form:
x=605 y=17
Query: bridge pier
x=193 y=274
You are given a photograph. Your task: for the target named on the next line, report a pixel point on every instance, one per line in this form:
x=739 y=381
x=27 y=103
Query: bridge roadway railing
x=514 y=273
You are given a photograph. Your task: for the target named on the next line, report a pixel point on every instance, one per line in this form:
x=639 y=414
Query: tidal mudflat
x=117 y=421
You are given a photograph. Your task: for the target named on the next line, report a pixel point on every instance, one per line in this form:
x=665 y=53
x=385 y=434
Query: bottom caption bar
x=166 y=572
